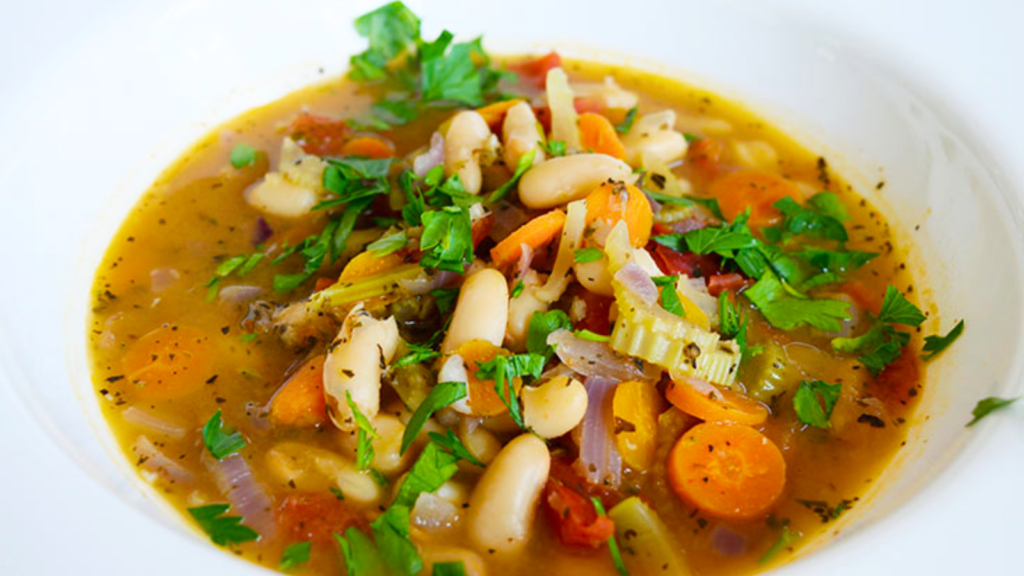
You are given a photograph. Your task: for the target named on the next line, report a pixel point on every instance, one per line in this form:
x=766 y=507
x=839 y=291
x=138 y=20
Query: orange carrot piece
x=494 y=114
x=635 y=408
x=755 y=190
x=169 y=362
x=727 y=470
x=300 y=400
x=483 y=398
x=369 y=263
x=598 y=134
x=536 y=233
x=711 y=404
x=369 y=147
x=611 y=203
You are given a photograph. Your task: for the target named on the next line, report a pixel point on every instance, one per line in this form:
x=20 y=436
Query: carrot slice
x=483 y=398
x=494 y=114
x=727 y=470
x=369 y=263
x=300 y=400
x=611 y=203
x=711 y=404
x=598 y=134
x=755 y=190
x=536 y=233
x=369 y=147
x=169 y=362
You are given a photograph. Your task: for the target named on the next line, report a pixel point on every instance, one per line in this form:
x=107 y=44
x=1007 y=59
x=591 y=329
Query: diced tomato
x=324 y=282
x=584 y=104
x=693 y=265
x=565 y=472
x=864 y=298
x=536 y=71
x=705 y=155
x=316 y=516
x=319 y=135
x=899 y=382
x=575 y=520
x=598 y=308
x=481 y=228
x=721 y=282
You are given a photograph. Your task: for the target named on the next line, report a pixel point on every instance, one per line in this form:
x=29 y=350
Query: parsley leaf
x=456 y=568
x=524 y=164
x=223 y=530
x=397 y=112
x=719 y=240
x=337 y=493
x=588 y=255
x=517 y=290
x=814 y=401
x=221 y=440
x=784 y=310
x=388 y=244
x=444 y=298
x=450 y=75
x=454 y=446
x=835 y=260
x=554 y=148
x=503 y=370
x=786 y=539
x=359 y=554
x=391 y=532
x=433 y=468
x=352 y=178
x=542 y=324
x=669 y=297
x=294 y=555
x=242 y=155
x=817 y=219
x=987 y=406
x=933 y=345
x=627 y=123
x=613 y=544
x=441 y=395
x=447 y=240
x=418 y=353
x=731 y=323
x=591 y=336
x=391 y=29
x=364 y=444
x=898 y=310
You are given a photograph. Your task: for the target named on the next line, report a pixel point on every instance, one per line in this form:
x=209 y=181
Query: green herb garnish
x=987 y=406
x=441 y=395
x=223 y=530
x=365 y=437
x=933 y=345
x=221 y=440
x=584 y=255
x=814 y=401
x=294 y=556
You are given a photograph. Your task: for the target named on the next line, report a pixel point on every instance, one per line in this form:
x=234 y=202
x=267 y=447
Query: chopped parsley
x=240 y=266
x=987 y=406
x=933 y=345
x=221 y=440
x=294 y=556
x=447 y=240
x=627 y=123
x=223 y=530
x=517 y=290
x=391 y=30
x=524 y=164
x=503 y=369
x=418 y=353
x=444 y=298
x=391 y=533
x=337 y=493
x=453 y=446
x=388 y=244
x=786 y=539
x=731 y=322
x=365 y=437
x=433 y=468
x=584 y=255
x=814 y=401
x=243 y=155
x=542 y=324
x=784 y=308
x=591 y=336
x=613 y=544
x=353 y=178
x=359 y=553
x=456 y=568
x=669 y=296
x=441 y=395
x=554 y=148
x=882 y=344
x=822 y=217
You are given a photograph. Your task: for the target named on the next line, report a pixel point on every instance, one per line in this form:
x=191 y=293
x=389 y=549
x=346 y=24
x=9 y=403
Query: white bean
x=481 y=311
x=504 y=502
x=521 y=309
x=594 y=276
x=355 y=360
x=386 y=448
x=467 y=136
x=655 y=134
x=608 y=93
x=567 y=178
x=520 y=134
x=279 y=197
x=555 y=407
x=480 y=442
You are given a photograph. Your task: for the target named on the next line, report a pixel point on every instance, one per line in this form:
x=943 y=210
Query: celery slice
x=647 y=547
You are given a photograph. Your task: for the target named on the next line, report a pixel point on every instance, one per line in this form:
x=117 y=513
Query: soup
x=460 y=315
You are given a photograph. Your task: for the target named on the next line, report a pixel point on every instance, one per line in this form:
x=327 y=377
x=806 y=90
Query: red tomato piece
x=575 y=520
x=317 y=516
x=536 y=71
x=693 y=265
x=722 y=282
x=598 y=308
x=705 y=155
x=319 y=135
x=481 y=228
x=900 y=381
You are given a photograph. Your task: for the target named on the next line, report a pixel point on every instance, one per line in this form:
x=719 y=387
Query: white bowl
x=91 y=118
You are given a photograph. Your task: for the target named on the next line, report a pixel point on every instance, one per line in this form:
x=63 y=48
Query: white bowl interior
x=959 y=217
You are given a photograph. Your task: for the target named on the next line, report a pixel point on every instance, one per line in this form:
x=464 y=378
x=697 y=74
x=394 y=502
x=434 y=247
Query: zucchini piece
x=768 y=374
x=647 y=546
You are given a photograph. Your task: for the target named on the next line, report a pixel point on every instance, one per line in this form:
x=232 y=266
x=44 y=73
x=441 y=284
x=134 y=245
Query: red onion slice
x=600 y=461
x=432 y=157
x=636 y=280
x=151 y=423
x=153 y=460
x=598 y=359
x=728 y=543
x=248 y=498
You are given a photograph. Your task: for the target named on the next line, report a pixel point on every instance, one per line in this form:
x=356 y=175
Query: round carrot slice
x=169 y=362
x=712 y=404
x=611 y=203
x=755 y=190
x=727 y=470
x=483 y=398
